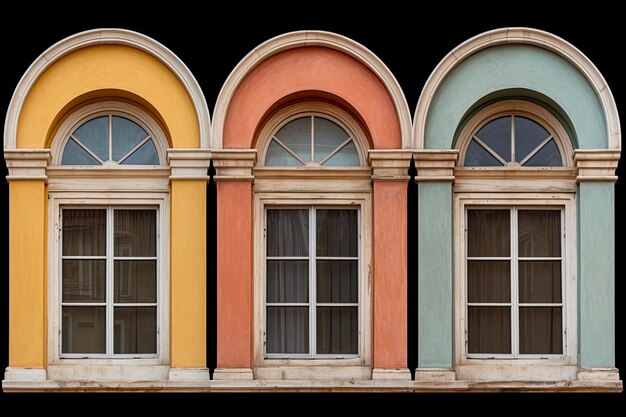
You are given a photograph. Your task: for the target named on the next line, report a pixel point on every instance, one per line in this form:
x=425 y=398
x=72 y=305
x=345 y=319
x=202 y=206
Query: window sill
x=110 y=372
x=337 y=372
x=527 y=370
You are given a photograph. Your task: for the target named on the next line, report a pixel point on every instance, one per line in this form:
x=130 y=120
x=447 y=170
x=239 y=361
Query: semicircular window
x=312 y=141
x=513 y=141
x=110 y=140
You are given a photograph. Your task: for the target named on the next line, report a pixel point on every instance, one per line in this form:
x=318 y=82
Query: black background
x=410 y=40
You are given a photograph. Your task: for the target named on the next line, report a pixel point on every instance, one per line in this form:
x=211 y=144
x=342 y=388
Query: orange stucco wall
x=234 y=274
x=389 y=247
x=311 y=69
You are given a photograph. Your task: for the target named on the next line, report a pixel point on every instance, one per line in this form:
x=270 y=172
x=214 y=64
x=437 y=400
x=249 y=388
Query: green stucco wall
x=517 y=67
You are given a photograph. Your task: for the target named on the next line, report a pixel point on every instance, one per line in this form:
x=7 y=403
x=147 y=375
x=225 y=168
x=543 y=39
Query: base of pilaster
x=233 y=374
x=188 y=374
x=435 y=375
x=394 y=374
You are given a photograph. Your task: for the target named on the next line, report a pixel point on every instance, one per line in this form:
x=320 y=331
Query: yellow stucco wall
x=106 y=68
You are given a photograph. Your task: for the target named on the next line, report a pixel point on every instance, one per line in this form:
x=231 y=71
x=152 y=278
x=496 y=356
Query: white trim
x=517 y=35
x=558 y=367
x=300 y=39
x=106 y=108
x=103 y=37
x=155 y=367
x=523 y=108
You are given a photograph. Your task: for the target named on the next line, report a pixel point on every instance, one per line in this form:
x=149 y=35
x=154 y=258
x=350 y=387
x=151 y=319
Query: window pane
x=296 y=135
x=84 y=232
x=337 y=233
x=287 y=330
x=134 y=330
x=84 y=280
x=489 y=330
x=73 y=154
x=528 y=135
x=337 y=330
x=145 y=155
x=488 y=281
x=548 y=156
x=125 y=135
x=83 y=330
x=337 y=282
x=94 y=134
x=540 y=330
x=287 y=233
x=477 y=156
x=488 y=233
x=497 y=135
x=539 y=233
x=135 y=282
x=287 y=281
x=135 y=233
x=347 y=156
x=540 y=281
x=277 y=156
x=328 y=135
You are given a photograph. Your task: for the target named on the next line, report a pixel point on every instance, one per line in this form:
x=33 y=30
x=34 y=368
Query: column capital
x=435 y=165
x=188 y=164
x=27 y=164
x=389 y=164
x=596 y=164
x=234 y=164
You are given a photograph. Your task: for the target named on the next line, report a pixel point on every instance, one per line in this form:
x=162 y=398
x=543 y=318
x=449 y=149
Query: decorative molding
x=24 y=374
x=435 y=165
x=189 y=164
x=236 y=374
x=102 y=37
x=234 y=164
x=189 y=374
x=27 y=164
x=596 y=164
x=390 y=164
x=511 y=180
x=312 y=179
x=437 y=375
x=526 y=36
x=391 y=374
x=300 y=39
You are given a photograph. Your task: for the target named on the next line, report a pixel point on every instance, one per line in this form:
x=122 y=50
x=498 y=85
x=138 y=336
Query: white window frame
x=547 y=367
x=92 y=367
x=109 y=302
x=108 y=108
x=312 y=304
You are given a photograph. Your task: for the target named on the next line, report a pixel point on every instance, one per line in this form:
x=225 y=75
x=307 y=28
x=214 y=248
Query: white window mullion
x=312 y=138
x=110 y=137
x=312 y=281
x=514 y=286
x=110 y=316
x=513 y=138
x=564 y=279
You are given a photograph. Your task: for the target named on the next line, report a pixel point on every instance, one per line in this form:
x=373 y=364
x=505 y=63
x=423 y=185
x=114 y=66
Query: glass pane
x=135 y=233
x=488 y=282
x=548 y=156
x=75 y=155
x=488 y=233
x=477 y=156
x=287 y=281
x=296 y=135
x=489 y=330
x=540 y=281
x=84 y=280
x=337 y=330
x=540 y=330
x=528 y=135
x=497 y=135
x=125 y=135
x=84 y=232
x=287 y=233
x=135 y=282
x=277 y=156
x=83 y=330
x=539 y=233
x=337 y=282
x=328 y=135
x=287 y=330
x=346 y=157
x=134 y=330
x=337 y=233
x=145 y=155
x=94 y=134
